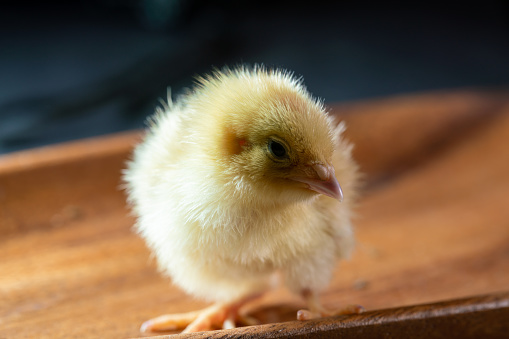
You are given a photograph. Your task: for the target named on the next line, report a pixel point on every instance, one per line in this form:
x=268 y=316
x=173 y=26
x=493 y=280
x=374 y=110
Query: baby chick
x=239 y=179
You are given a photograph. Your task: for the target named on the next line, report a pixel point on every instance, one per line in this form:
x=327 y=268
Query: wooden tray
x=433 y=225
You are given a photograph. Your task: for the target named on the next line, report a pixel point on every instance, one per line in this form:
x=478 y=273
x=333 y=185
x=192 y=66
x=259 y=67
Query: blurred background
x=71 y=70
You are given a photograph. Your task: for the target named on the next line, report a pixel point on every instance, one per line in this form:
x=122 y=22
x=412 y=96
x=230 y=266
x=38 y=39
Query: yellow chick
x=237 y=180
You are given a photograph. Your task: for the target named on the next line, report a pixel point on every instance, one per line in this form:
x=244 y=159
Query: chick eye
x=277 y=149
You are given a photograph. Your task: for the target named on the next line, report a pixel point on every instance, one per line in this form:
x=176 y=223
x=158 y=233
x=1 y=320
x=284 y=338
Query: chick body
x=219 y=209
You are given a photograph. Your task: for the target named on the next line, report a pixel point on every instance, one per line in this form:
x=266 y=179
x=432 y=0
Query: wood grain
x=433 y=224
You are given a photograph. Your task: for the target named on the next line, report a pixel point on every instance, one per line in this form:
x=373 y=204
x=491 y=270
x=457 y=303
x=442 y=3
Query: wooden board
x=432 y=225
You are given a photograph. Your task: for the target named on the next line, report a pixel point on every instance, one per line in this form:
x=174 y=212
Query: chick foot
x=316 y=310
x=216 y=316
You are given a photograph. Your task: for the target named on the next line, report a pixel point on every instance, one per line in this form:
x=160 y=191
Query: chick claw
x=349 y=309
x=316 y=310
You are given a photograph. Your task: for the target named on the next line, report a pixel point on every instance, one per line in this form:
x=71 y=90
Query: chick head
x=269 y=135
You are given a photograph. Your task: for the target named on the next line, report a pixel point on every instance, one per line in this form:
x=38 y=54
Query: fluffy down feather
x=223 y=206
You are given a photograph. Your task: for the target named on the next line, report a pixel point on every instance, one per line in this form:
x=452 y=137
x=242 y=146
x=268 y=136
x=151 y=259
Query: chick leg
x=218 y=315
x=316 y=310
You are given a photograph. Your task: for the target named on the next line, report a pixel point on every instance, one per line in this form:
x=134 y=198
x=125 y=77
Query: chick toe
x=317 y=310
x=169 y=322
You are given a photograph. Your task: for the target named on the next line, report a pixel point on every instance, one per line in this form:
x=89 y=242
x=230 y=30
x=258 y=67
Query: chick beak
x=324 y=182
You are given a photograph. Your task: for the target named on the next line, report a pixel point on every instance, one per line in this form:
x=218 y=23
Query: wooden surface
x=479 y=317
x=432 y=225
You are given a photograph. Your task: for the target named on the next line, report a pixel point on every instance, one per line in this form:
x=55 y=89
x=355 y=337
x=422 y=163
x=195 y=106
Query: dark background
x=77 y=69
